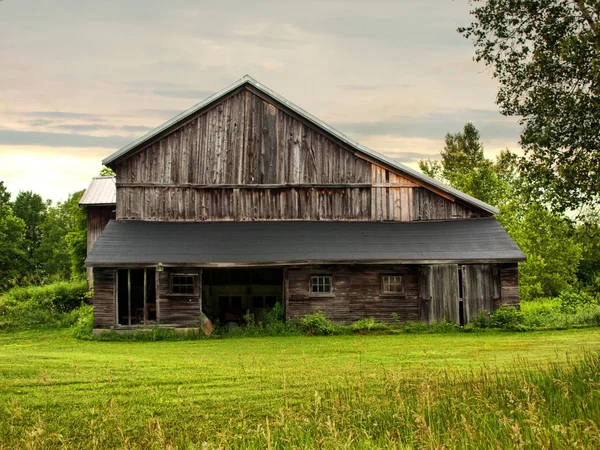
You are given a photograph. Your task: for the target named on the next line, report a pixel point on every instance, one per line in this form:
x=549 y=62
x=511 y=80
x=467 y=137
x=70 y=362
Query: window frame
x=329 y=293
x=195 y=284
x=384 y=291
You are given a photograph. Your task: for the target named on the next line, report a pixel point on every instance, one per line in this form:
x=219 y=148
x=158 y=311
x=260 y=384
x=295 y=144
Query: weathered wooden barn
x=246 y=200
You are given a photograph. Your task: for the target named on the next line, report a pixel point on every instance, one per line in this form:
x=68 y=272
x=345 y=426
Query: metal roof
x=101 y=191
x=248 y=80
x=222 y=244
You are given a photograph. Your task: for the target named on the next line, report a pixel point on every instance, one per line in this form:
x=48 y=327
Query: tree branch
x=586 y=15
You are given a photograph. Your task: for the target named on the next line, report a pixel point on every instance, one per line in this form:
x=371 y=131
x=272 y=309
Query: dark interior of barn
x=136 y=296
x=228 y=294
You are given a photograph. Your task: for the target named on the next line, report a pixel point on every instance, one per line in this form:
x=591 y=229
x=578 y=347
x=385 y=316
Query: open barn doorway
x=136 y=296
x=228 y=294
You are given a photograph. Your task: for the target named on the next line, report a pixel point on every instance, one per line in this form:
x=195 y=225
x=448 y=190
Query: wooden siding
x=104 y=298
x=246 y=159
x=509 y=284
x=183 y=311
x=97 y=218
x=356 y=293
x=439 y=289
x=480 y=288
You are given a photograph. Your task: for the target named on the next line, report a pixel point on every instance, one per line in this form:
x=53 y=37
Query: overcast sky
x=80 y=79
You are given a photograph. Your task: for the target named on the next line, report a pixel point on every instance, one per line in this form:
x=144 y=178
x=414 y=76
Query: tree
x=544 y=54
x=464 y=167
x=30 y=208
x=107 y=172
x=13 y=257
x=546 y=238
x=4 y=194
x=553 y=255
x=63 y=248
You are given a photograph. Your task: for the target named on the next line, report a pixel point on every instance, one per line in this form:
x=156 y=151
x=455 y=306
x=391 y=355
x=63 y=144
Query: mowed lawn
x=57 y=391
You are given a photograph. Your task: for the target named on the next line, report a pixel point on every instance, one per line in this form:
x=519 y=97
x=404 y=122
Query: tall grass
x=548 y=407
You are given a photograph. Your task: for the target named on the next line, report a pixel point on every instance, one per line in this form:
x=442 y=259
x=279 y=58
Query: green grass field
x=484 y=390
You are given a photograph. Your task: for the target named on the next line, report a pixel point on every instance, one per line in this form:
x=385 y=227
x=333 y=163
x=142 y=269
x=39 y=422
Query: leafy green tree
x=544 y=55
x=553 y=254
x=587 y=235
x=4 y=194
x=63 y=248
x=547 y=239
x=107 y=172
x=464 y=167
x=30 y=208
x=13 y=258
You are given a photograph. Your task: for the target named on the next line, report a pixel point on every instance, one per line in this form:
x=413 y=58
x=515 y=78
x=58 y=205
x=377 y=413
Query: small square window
x=391 y=284
x=321 y=284
x=182 y=284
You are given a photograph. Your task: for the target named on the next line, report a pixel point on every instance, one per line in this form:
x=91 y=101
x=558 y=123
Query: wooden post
x=116 y=296
x=145 y=296
x=129 y=295
x=200 y=290
x=286 y=295
x=157 y=294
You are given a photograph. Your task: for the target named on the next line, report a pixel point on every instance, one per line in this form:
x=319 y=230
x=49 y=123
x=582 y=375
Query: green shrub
x=83 y=322
x=507 y=318
x=317 y=324
x=570 y=301
x=369 y=325
x=481 y=320
x=415 y=327
x=47 y=305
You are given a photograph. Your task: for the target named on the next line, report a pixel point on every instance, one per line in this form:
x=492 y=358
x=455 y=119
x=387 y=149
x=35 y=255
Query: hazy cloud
x=63 y=115
x=14 y=137
x=490 y=123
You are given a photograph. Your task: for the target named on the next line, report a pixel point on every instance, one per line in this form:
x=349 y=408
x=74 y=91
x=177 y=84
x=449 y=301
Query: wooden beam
x=145 y=296
x=157 y=294
x=259 y=186
x=116 y=272
x=129 y=295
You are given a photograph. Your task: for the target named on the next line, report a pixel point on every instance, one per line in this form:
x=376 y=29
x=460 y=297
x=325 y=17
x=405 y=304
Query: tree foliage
x=30 y=208
x=107 y=172
x=39 y=241
x=4 y=194
x=13 y=256
x=545 y=55
x=548 y=239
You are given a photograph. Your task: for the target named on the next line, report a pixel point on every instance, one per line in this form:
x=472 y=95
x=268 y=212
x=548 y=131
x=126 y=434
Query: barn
x=245 y=200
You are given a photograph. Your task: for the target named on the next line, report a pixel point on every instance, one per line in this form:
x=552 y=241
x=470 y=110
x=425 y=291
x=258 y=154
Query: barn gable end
x=248 y=157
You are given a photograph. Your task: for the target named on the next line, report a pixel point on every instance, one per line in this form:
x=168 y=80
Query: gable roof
x=101 y=191
x=222 y=244
x=249 y=81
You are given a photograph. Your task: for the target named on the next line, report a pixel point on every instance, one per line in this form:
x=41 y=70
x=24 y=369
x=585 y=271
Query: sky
x=81 y=79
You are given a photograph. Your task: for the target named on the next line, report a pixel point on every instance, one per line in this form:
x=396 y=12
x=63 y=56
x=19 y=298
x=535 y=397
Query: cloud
x=14 y=137
x=183 y=93
x=101 y=127
x=410 y=157
x=63 y=115
x=490 y=123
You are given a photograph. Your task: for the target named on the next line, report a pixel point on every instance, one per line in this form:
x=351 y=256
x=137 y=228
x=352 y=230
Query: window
x=321 y=284
x=184 y=284
x=391 y=284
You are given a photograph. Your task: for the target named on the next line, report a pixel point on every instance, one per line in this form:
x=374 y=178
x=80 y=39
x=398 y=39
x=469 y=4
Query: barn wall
x=479 y=286
x=246 y=159
x=183 y=311
x=356 y=293
x=97 y=219
x=104 y=298
x=509 y=284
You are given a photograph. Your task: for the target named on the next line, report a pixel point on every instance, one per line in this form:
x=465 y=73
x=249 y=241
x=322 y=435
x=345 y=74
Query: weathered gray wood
x=509 y=284
x=481 y=289
x=356 y=293
x=247 y=159
x=104 y=299
x=441 y=289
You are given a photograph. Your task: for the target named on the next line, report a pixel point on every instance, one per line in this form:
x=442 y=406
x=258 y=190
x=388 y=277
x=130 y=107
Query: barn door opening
x=136 y=297
x=228 y=294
